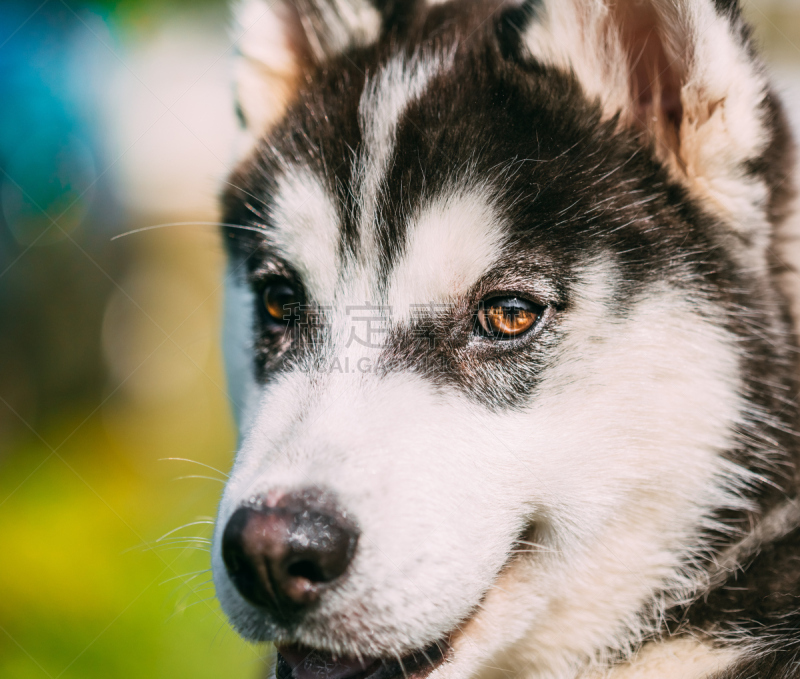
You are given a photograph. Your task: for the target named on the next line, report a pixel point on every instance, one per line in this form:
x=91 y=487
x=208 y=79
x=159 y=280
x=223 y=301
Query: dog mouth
x=302 y=662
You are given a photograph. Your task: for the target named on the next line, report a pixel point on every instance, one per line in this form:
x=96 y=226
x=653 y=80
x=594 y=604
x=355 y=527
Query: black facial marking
x=443 y=347
x=760 y=600
x=780 y=662
x=728 y=7
x=511 y=24
x=240 y=117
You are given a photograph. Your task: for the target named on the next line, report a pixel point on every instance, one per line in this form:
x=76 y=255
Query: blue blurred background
x=114 y=116
x=117 y=116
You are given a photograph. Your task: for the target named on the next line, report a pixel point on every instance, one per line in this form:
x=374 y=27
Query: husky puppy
x=509 y=343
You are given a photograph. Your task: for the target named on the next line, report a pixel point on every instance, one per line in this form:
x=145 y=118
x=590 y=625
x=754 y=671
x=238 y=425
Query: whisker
x=402 y=667
x=191 y=544
x=246 y=193
x=186 y=607
x=200 y=476
x=256 y=229
x=539 y=547
x=202 y=464
x=194 y=574
x=189 y=538
x=200 y=589
x=185 y=525
x=192 y=588
x=426 y=656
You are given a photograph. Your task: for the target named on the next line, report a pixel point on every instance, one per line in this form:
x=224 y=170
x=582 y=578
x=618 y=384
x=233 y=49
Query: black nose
x=281 y=553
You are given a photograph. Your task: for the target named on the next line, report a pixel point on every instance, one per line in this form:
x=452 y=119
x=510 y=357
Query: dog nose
x=281 y=554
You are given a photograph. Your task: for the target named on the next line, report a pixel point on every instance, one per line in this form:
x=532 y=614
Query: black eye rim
x=292 y=309
x=514 y=300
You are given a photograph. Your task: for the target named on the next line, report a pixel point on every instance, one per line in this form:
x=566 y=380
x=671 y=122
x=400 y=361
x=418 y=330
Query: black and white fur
x=612 y=495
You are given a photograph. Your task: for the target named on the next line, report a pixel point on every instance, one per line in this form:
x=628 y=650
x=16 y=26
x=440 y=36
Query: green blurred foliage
x=133 y=8
x=85 y=594
x=96 y=580
x=109 y=363
x=147 y=14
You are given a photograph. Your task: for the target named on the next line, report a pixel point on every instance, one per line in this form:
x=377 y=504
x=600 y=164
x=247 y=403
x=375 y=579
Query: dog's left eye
x=281 y=302
x=507 y=317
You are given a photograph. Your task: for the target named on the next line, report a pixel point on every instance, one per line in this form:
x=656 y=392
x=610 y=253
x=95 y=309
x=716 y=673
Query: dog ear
x=684 y=73
x=278 y=40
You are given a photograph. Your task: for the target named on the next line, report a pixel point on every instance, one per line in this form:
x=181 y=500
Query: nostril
x=246 y=568
x=308 y=570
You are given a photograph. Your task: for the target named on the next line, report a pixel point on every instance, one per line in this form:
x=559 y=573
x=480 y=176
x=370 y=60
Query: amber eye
x=507 y=317
x=281 y=302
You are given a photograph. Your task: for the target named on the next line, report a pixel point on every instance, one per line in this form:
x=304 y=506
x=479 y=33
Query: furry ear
x=683 y=72
x=278 y=39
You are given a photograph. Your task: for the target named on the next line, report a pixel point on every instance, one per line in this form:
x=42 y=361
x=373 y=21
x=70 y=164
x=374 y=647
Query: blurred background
x=117 y=116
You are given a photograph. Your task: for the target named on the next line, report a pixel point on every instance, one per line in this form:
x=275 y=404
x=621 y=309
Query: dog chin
x=307 y=656
x=302 y=656
x=296 y=661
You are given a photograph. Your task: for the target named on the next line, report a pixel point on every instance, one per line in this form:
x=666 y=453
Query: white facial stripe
x=386 y=96
x=450 y=245
x=306 y=223
x=383 y=101
x=306 y=229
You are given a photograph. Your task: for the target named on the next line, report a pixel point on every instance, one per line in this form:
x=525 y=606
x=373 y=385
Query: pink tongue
x=310 y=664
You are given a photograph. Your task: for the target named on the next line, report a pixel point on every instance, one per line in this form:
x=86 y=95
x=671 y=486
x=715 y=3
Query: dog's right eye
x=281 y=303
x=507 y=317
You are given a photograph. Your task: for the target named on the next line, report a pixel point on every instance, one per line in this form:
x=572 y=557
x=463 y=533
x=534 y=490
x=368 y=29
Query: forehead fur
x=306 y=229
x=451 y=243
x=379 y=139
x=445 y=173
x=720 y=134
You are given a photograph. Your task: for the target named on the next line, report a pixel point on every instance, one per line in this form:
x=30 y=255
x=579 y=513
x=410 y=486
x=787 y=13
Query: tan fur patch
x=720 y=89
x=683 y=657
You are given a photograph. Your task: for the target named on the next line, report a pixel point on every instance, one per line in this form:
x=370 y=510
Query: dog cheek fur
x=432 y=537
x=623 y=509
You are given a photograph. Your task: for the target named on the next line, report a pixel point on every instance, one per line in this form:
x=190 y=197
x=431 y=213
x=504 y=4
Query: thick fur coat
x=610 y=493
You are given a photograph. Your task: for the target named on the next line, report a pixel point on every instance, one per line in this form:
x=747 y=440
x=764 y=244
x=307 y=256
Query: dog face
x=484 y=329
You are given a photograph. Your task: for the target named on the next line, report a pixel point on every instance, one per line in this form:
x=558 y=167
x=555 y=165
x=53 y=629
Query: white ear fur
x=278 y=39
x=680 y=70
